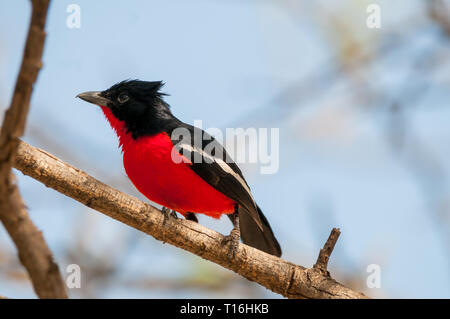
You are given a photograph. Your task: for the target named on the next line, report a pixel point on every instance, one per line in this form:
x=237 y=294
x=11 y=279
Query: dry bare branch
x=325 y=253
x=276 y=274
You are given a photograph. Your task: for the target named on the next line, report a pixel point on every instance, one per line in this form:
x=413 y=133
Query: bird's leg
x=235 y=235
x=168 y=213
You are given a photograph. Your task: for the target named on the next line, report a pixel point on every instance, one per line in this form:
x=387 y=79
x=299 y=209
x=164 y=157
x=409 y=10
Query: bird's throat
x=119 y=127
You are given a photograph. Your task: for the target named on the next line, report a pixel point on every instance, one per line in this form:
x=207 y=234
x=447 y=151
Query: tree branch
x=278 y=275
x=33 y=252
x=325 y=253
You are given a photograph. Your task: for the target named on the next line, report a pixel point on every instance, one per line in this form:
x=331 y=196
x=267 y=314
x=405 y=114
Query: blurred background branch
x=33 y=251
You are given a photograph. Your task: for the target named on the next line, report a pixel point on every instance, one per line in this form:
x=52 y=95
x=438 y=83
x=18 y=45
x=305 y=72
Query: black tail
x=252 y=235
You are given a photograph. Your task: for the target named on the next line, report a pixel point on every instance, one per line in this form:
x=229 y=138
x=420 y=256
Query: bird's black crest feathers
x=151 y=88
x=140 y=105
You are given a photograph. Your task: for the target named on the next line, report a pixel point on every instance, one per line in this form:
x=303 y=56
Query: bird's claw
x=233 y=240
x=168 y=213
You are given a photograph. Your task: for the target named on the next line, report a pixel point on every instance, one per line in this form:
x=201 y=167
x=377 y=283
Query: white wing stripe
x=223 y=165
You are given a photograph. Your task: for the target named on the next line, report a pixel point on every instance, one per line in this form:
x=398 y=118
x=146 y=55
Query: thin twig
x=33 y=251
x=276 y=274
x=325 y=253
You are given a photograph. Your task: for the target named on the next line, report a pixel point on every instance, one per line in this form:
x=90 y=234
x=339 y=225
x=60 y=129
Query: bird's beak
x=94 y=98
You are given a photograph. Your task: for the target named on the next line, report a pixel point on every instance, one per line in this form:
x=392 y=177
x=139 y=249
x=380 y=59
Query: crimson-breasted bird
x=163 y=167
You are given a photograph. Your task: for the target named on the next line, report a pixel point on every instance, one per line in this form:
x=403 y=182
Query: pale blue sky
x=225 y=62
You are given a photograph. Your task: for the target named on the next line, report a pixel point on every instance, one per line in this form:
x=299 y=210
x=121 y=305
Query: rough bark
x=33 y=251
x=276 y=274
x=325 y=253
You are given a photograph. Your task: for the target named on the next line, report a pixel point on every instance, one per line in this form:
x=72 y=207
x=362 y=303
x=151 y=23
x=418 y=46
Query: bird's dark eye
x=123 y=98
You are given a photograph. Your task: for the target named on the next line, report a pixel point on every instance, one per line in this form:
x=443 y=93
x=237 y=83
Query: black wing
x=214 y=165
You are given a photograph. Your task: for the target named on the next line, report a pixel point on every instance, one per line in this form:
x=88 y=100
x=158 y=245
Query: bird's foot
x=233 y=240
x=173 y=213
x=168 y=214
